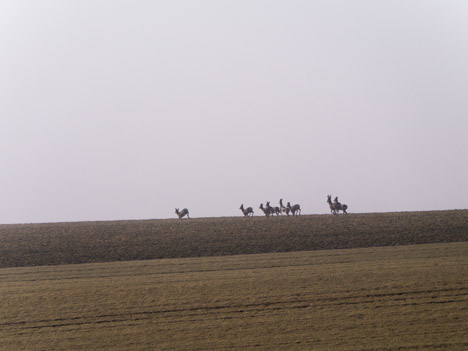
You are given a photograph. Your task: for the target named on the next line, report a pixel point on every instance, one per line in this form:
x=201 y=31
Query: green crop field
x=360 y=282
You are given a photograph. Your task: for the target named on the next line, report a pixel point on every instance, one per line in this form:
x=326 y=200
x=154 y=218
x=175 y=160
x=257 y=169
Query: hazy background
x=128 y=109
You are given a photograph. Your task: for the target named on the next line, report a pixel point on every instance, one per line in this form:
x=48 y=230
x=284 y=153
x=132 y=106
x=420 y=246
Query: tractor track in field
x=391 y=298
x=456 y=295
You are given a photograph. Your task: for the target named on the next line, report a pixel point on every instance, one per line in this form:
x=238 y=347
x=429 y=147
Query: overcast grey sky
x=128 y=109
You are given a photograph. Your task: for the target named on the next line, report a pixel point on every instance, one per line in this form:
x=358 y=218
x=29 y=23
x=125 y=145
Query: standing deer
x=284 y=208
x=294 y=209
x=274 y=210
x=336 y=206
x=333 y=209
x=182 y=213
x=340 y=206
x=266 y=210
x=248 y=212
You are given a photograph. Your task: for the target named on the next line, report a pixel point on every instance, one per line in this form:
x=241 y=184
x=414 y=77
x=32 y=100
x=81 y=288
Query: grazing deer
x=266 y=210
x=294 y=209
x=182 y=213
x=274 y=210
x=284 y=208
x=247 y=212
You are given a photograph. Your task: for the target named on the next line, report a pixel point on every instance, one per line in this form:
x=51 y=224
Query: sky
x=114 y=109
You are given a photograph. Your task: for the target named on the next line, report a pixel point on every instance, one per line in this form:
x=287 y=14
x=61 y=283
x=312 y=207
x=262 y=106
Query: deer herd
x=268 y=210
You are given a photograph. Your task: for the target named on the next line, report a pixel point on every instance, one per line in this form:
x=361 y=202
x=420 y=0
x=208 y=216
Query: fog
x=129 y=109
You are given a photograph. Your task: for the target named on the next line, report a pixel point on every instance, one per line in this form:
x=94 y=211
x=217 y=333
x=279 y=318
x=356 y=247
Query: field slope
x=389 y=298
x=389 y=281
x=86 y=242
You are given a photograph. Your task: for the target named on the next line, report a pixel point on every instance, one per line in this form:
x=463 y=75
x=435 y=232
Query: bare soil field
x=383 y=298
x=86 y=242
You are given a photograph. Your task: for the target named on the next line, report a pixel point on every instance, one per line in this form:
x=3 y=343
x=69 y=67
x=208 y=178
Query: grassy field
x=388 y=298
x=86 y=242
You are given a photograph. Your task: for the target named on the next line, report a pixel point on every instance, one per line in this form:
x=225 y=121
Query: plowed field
x=84 y=242
x=391 y=281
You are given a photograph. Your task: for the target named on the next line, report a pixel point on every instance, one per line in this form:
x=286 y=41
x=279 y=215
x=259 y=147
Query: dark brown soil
x=82 y=242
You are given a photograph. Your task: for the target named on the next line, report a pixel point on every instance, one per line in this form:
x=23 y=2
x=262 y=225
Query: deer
x=248 y=212
x=336 y=206
x=182 y=213
x=333 y=207
x=266 y=210
x=284 y=208
x=274 y=210
x=340 y=206
x=295 y=210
